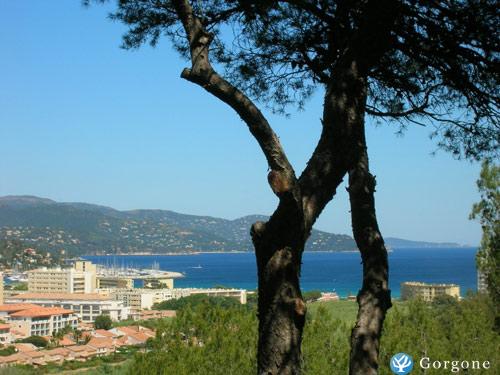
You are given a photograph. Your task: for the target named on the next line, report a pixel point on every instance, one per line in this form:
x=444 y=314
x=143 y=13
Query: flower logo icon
x=401 y=363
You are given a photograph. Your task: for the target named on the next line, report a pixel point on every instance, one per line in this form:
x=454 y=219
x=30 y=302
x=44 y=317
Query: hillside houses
x=101 y=343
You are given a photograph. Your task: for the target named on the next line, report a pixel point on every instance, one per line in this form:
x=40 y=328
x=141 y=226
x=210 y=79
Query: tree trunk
x=374 y=298
x=279 y=244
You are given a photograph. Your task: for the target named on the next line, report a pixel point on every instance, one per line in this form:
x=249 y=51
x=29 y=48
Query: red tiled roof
x=13 y=358
x=25 y=347
x=139 y=336
x=103 y=332
x=101 y=342
x=62 y=296
x=40 y=311
x=77 y=348
x=13 y=307
x=57 y=351
x=66 y=341
x=34 y=354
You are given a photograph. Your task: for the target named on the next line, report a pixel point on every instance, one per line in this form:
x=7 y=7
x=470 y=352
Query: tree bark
x=374 y=298
x=279 y=244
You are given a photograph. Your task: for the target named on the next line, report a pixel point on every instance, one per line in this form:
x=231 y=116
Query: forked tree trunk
x=374 y=298
x=279 y=244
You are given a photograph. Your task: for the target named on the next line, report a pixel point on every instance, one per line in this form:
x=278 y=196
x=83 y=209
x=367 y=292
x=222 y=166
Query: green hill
x=82 y=228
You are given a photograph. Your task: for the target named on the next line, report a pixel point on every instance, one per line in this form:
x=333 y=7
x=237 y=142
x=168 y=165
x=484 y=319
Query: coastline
x=204 y=252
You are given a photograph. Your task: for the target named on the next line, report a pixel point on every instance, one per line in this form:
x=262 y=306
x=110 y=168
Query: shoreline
x=389 y=250
x=205 y=252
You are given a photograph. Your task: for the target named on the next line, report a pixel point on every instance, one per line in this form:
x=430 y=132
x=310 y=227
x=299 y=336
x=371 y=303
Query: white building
x=37 y=320
x=428 y=292
x=142 y=298
x=87 y=306
x=61 y=280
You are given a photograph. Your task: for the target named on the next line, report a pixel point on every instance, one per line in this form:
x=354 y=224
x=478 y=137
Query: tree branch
x=282 y=176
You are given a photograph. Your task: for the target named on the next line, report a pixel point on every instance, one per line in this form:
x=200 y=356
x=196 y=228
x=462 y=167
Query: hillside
x=81 y=228
x=408 y=244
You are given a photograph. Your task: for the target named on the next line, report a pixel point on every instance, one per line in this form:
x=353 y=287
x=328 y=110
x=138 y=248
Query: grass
x=342 y=310
x=346 y=310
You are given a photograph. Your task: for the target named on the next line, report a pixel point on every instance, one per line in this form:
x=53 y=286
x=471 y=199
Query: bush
x=103 y=322
x=211 y=339
x=8 y=350
x=311 y=295
x=196 y=300
x=38 y=341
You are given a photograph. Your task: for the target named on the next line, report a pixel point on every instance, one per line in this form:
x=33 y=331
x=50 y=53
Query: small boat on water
x=197 y=267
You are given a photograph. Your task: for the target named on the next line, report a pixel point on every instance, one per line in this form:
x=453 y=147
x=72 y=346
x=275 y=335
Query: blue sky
x=83 y=120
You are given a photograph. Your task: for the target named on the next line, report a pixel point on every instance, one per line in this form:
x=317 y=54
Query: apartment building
x=86 y=306
x=240 y=294
x=106 y=282
x=87 y=266
x=37 y=320
x=428 y=292
x=61 y=280
x=142 y=298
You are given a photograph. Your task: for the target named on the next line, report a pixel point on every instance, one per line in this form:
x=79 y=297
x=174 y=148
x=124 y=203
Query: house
x=82 y=352
x=5 y=335
x=87 y=306
x=17 y=358
x=135 y=335
x=6 y=310
x=67 y=340
x=152 y=314
x=104 y=333
x=35 y=357
x=42 y=321
x=57 y=355
x=103 y=345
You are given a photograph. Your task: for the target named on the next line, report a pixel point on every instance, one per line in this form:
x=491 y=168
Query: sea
x=326 y=271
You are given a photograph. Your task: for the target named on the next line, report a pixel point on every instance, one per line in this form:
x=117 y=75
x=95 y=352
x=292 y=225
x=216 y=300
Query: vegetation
x=86 y=228
x=203 y=339
x=116 y=363
x=150 y=323
x=38 y=341
x=7 y=350
x=195 y=300
x=311 y=295
x=487 y=211
x=339 y=310
x=410 y=62
x=17 y=254
x=20 y=286
x=103 y=322
x=209 y=339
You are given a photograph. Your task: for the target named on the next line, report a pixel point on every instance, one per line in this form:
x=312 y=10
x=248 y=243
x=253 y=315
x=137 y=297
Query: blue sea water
x=339 y=271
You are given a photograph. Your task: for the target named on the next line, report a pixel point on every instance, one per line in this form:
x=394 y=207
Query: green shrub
x=103 y=322
x=35 y=340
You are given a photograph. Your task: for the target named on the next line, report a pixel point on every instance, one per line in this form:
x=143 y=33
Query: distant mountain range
x=82 y=228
